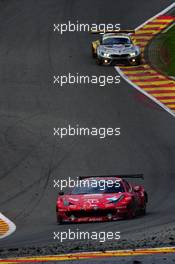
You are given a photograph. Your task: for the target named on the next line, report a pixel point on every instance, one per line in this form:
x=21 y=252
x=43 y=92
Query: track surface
x=30 y=157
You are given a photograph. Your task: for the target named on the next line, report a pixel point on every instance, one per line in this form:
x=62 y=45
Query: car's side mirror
x=137 y=188
x=61 y=193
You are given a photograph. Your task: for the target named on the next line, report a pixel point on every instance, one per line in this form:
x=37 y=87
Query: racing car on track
x=102 y=198
x=116 y=48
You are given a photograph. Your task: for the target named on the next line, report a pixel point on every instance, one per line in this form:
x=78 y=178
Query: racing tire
x=94 y=55
x=131 y=210
x=143 y=210
x=131 y=214
x=99 y=61
x=59 y=220
x=146 y=197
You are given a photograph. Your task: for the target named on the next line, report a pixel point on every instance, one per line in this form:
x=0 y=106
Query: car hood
x=117 y=49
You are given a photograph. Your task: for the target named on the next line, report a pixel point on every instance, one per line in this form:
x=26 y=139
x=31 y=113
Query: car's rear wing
x=125 y=176
x=126 y=31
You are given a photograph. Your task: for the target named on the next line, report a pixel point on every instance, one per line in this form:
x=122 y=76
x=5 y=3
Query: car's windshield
x=116 y=41
x=114 y=188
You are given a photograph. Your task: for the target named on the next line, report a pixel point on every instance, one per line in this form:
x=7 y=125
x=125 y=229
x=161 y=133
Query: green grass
x=167 y=52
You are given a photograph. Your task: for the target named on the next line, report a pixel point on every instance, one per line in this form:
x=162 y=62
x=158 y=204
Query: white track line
x=12 y=226
x=136 y=86
x=168 y=28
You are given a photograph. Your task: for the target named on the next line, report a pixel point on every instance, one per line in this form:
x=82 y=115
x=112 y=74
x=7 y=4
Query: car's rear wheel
x=143 y=210
x=146 y=197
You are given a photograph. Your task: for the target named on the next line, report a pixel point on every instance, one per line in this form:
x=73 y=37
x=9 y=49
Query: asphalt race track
x=30 y=106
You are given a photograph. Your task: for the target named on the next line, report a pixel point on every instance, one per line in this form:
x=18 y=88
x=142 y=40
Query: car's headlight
x=106 y=55
x=115 y=199
x=133 y=54
x=66 y=203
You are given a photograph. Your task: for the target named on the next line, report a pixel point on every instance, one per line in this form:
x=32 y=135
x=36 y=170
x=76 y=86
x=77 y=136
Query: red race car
x=102 y=198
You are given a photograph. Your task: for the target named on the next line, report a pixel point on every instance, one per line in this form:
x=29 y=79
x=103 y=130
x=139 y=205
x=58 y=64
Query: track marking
x=7 y=227
x=168 y=28
x=144 y=92
x=91 y=255
x=143 y=77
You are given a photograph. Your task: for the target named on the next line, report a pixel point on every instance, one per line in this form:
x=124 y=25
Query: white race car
x=116 y=48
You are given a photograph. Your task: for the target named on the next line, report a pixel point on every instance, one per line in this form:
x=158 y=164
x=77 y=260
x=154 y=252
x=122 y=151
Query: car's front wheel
x=99 y=61
x=94 y=55
x=59 y=219
x=131 y=209
x=131 y=214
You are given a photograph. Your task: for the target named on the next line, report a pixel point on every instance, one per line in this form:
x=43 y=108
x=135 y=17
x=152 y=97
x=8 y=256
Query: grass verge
x=166 y=55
